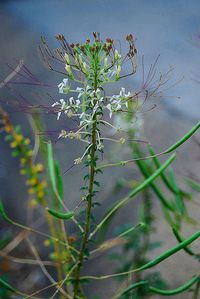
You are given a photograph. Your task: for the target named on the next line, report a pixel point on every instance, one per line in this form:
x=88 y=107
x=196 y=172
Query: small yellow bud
x=47 y=242
x=27 y=141
x=18 y=138
x=39 y=167
x=22 y=171
x=13 y=144
x=33 y=203
x=31 y=191
x=32 y=181
x=22 y=161
x=40 y=194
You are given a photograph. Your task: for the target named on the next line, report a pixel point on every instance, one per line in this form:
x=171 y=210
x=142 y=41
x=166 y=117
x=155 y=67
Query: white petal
x=65 y=81
x=58 y=116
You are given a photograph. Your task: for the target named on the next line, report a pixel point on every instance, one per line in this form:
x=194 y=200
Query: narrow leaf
x=3 y=213
x=8 y=287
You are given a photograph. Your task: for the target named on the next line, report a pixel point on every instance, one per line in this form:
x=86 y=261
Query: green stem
x=196 y=291
x=88 y=213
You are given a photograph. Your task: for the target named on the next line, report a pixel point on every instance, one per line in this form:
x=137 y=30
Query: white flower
x=78 y=161
x=123 y=95
x=62 y=107
x=117 y=102
x=64 y=86
x=82 y=91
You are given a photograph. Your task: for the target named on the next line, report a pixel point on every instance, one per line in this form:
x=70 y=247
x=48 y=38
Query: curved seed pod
x=183 y=139
x=181 y=289
x=170 y=252
x=132 y=287
x=61 y=215
x=131 y=195
x=181 y=239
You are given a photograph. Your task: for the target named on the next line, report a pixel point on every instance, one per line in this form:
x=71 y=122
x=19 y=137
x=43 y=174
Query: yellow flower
x=8 y=128
x=31 y=191
x=41 y=194
x=18 y=138
x=13 y=144
x=33 y=203
x=39 y=167
x=27 y=141
x=47 y=242
x=29 y=153
x=22 y=161
x=33 y=181
x=22 y=171
x=42 y=185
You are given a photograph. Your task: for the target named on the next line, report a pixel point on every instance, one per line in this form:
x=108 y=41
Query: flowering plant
x=91 y=67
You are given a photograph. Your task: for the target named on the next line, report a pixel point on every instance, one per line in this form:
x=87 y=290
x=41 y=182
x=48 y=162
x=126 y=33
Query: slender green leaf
x=7 y=286
x=3 y=213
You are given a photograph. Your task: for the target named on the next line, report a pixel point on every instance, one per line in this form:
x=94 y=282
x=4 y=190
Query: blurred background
x=168 y=29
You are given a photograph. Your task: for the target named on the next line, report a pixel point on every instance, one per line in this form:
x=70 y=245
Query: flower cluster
x=92 y=64
x=21 y=147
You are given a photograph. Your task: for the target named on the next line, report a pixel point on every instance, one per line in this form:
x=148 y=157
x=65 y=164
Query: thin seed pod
x=61 y=215
x=170 y=252
x=181 y=239
x=132 y=287
x=193 y=184
x=167 y=151
x=142 y=186
x=179 y=290
x=165 y=179
x=160 y=195
x=152 y=263
x=179 y=199
x=51 y=167
x=183 y=139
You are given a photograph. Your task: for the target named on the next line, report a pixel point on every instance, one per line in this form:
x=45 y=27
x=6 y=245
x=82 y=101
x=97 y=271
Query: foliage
x=90 y=67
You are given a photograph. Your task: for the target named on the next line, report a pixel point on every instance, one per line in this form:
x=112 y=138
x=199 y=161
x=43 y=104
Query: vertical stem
x=88 y=212
x=90 y=188
x=196 y=291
